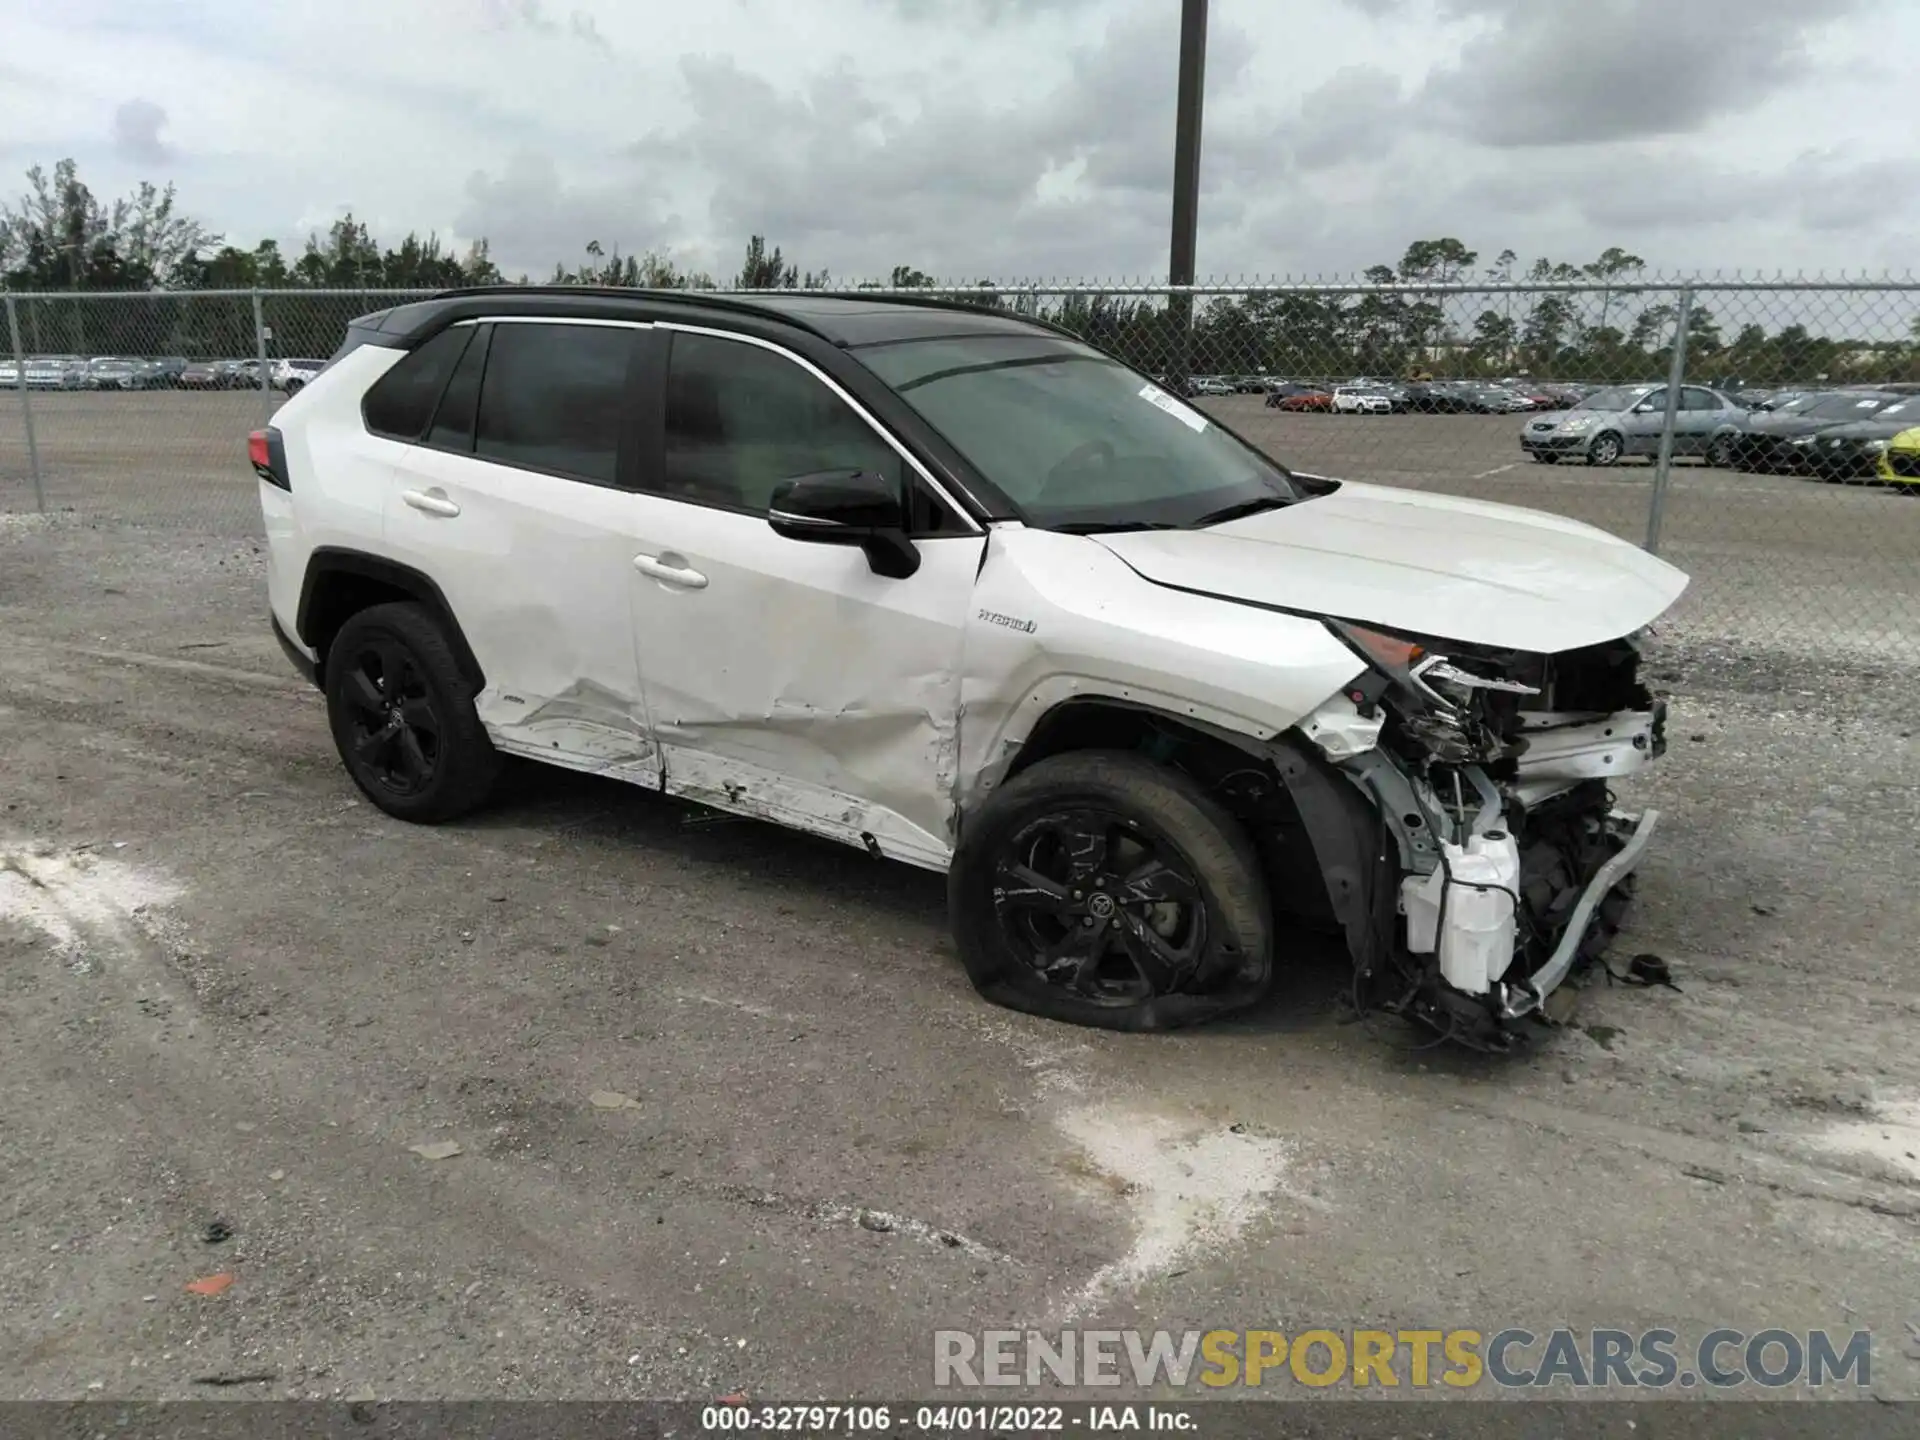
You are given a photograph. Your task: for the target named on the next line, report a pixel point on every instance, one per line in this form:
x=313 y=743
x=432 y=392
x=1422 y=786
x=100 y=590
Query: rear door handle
x=433 y=502
x=670 y=569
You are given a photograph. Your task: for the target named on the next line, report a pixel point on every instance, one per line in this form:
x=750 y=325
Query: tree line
x=58 y=236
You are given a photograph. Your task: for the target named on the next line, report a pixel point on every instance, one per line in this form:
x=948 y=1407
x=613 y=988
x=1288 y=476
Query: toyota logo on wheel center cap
x=1100 y=905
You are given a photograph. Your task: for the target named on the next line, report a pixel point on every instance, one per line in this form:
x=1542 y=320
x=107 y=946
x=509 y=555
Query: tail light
x=269 y=457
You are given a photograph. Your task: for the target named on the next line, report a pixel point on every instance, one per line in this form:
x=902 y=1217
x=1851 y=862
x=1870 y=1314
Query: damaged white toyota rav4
x=956 y=588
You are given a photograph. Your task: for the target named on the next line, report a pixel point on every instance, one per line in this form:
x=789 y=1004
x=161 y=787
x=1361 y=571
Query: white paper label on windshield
x=1159 y=398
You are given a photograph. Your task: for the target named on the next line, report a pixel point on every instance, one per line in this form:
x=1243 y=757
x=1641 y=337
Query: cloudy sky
x=1002 y=138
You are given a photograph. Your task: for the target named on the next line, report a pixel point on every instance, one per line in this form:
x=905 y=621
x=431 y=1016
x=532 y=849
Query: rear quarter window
x=400 y=403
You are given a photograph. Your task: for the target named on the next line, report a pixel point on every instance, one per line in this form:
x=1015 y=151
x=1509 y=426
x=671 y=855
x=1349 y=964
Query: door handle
x=665 y=569
x=433 y=502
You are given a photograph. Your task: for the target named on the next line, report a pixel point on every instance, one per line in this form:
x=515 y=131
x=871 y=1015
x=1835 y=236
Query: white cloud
x=136 y=132
x=1005 y=138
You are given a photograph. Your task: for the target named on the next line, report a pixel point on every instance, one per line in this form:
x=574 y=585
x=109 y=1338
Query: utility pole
x=1186 y=183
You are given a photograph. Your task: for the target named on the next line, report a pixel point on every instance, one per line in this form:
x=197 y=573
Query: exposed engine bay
x=1506 y=864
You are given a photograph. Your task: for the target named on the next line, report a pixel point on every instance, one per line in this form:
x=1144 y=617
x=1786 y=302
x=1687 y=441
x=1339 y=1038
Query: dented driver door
x=783 y=679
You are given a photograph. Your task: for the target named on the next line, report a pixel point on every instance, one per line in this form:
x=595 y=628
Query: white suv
x=1356 y=400
x=294 y=375
x=960 y=590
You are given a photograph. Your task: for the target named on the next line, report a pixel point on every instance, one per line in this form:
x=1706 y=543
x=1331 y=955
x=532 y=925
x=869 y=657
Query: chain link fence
x=1765 y=436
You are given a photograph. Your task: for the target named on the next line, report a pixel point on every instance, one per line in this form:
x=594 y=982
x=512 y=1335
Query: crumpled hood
x=1423 y=564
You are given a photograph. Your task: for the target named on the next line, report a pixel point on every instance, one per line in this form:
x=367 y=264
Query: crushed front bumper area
x=1496 y=880
x=1495 y=950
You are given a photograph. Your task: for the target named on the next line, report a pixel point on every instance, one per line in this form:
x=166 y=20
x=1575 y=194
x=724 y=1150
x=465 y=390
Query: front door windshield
x=1074 y=439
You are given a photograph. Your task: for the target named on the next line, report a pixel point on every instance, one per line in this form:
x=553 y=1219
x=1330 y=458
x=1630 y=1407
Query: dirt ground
x=232 y=993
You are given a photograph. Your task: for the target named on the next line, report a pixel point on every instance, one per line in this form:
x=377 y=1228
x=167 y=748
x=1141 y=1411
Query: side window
x=553 y=397
x=1693 y=398
x=741 y=419
x=402 y=400
x=453 y=420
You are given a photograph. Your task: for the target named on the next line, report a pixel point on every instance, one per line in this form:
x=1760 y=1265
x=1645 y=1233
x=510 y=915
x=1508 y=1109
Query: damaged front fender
x=1351 y=846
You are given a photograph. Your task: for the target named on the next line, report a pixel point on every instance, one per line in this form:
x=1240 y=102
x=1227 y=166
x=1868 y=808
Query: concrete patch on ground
x=1892 y=1136
x=1187 y=1192
x=1046 y=1052
x=88 y=907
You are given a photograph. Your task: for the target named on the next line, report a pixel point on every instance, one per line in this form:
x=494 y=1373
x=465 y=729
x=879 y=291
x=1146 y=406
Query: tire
x=1720 y=453
x=1606 y=449
x=1194 y=941
x=431 y=760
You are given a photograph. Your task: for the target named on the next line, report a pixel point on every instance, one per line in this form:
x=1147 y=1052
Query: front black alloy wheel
x=1102 y=889
x=403 y=718
x=1085 y=896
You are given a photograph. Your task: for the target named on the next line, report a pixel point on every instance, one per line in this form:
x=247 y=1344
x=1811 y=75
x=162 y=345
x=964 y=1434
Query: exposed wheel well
x=341 y=583
x=1244 y=778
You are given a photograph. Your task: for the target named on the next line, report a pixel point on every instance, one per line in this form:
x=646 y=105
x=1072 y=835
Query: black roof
x=848 y=320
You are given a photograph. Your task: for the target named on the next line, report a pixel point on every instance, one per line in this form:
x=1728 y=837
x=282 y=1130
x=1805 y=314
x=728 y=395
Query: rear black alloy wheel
x=1102 y=889
x=393 y=731
x=403 y=718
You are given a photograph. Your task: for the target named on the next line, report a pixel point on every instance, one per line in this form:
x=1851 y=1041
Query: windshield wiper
x=1111 y=527
x=1240 y=511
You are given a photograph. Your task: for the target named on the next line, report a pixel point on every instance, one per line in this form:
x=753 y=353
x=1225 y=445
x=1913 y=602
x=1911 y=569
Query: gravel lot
x=231 y=992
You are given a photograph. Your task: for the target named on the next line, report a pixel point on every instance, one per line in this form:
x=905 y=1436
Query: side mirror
x=847 y=507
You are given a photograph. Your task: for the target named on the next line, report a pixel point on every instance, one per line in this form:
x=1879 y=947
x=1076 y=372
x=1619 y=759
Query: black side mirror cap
x=847 y=507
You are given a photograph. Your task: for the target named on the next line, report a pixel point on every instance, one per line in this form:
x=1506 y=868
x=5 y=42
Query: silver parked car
x=56 y=372
x=118 y=372
x=1625 y=420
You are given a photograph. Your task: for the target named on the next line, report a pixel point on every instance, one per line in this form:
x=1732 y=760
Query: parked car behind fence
x=1625 y=420
x=1295 y=395
x=117 y=372
x=1353 y=400
x=1855 y=449
x=55 y=372
x=1763 y=440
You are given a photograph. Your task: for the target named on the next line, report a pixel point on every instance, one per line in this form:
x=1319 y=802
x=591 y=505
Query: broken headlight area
x=1466 y=704
x=1491 y=773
